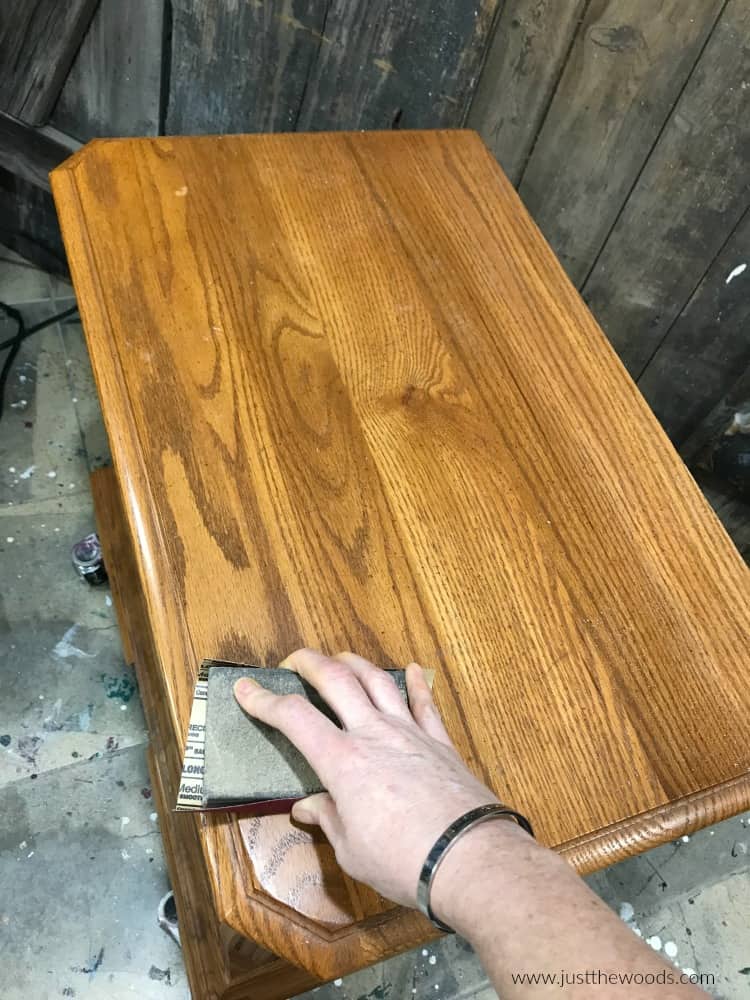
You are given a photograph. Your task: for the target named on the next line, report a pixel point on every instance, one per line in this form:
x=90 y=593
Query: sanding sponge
x=245 y=765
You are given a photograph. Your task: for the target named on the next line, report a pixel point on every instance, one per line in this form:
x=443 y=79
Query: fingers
x=315 y=736
x=423 y=707
x=336 y=683
x=319 y=810
x=380 y=688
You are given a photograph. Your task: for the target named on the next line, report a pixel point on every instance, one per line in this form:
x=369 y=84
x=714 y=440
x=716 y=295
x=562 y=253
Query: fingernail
x=243 y=687
x=301 y=813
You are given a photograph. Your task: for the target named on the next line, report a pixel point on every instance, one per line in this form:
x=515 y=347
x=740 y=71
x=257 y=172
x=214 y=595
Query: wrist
x=479 y=871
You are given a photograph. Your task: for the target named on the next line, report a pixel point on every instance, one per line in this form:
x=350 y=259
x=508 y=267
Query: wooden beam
x=37 y=44
x=32 y=152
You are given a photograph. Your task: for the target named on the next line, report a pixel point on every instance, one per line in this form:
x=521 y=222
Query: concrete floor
x=81 y=864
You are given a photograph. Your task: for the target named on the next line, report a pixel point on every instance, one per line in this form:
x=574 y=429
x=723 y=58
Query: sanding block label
x=190 y=795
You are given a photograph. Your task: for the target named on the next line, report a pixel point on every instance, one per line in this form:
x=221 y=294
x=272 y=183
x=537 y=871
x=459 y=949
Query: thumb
x=318 y=810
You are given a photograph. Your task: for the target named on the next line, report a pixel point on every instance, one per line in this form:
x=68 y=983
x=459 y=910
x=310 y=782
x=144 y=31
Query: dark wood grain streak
x=353 y=400
x=38 y=40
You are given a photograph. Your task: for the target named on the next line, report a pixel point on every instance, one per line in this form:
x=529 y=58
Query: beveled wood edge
x=78 y=155
x=657 y=826
x=100 y=480
x=204 y=974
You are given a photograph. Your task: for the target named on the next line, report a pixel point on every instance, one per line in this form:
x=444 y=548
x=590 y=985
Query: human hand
x=394 y=779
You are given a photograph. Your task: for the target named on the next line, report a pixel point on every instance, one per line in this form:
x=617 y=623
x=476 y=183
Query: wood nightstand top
x=354 y=403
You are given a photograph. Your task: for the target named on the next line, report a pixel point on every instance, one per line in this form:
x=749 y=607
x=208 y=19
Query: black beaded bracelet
x=447 y=839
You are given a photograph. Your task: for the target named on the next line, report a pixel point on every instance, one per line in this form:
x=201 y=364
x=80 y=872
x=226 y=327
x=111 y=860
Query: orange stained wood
x=354 y=403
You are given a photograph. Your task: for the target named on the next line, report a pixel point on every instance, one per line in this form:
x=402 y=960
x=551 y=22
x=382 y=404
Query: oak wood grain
x=354 y=402
x=319 y=918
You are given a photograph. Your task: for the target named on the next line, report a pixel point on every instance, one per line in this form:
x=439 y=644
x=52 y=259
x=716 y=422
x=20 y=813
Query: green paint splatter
x=121 y=686
x=381 y=992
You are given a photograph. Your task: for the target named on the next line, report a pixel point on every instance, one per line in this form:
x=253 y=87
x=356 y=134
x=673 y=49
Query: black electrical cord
x=13 y=344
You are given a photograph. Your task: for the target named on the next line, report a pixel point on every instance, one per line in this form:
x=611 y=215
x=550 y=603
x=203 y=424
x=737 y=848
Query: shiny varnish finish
x=354 y=403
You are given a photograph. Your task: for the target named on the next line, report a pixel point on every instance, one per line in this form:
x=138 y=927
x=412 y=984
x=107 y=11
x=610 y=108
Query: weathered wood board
x=114 y=84
x=625 y=71
x=240 y=68
x=697 y=448
x=692 y=192
x=336 y=64
x=28 y=223
x=38 y=41
x=526 y=55
x=390 y=64
x=707 y=345
x=30 y=152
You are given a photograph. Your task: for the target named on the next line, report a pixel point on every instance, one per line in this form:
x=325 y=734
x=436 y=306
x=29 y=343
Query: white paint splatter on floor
x=626 y=912
x=654 y=942
x=670 y=949
x=27 y=473
x=735 y=273
x=65 y=648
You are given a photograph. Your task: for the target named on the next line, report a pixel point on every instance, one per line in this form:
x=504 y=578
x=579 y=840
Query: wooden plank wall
x=623 y=123
x=330 y=64
x=115 y=84
x=625 y=126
